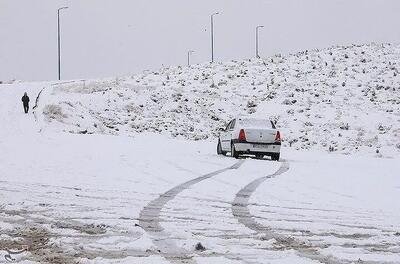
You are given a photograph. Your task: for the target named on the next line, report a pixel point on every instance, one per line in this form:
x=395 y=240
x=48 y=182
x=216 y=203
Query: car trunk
x=260 y=135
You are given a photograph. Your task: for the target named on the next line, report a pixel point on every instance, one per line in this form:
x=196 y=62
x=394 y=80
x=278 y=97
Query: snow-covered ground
x=138 y=180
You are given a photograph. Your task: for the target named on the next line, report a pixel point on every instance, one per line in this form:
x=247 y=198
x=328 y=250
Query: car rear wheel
x=234 y=153
x=219 y=149
x=275 y=156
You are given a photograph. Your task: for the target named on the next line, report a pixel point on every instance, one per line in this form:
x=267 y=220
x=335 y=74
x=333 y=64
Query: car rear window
x=257 y=123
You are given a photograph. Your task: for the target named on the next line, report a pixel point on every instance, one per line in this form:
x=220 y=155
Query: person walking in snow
x=25 y=101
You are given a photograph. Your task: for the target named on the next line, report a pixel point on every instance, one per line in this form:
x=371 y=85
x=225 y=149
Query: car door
x=232 y=131
x=226 y=138
x=228 y=135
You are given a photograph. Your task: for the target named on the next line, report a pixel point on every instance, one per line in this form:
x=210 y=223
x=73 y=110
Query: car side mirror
x=221 y=129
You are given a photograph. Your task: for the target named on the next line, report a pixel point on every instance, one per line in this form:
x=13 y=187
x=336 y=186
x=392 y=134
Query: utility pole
x=188 y=56
x=257 y=28
x=212 y=36
x=59 y=45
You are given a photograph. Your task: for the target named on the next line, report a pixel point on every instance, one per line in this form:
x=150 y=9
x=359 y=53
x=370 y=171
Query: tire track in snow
x=241 y=211
x=150 y=219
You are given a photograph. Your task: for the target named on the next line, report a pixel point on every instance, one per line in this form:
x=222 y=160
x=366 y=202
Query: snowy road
x=149 y=218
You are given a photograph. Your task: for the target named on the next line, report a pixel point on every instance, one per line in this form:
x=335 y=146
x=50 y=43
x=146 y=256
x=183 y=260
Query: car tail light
x=278 y=136
x=242 y=135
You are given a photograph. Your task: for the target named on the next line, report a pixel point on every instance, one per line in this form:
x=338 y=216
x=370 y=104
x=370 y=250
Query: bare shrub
x=54 y=112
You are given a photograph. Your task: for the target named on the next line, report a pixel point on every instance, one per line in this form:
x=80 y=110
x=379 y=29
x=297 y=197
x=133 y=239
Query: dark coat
x=25 y=99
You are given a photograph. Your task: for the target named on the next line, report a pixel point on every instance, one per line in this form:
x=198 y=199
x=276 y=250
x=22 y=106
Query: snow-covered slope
x=343 y=98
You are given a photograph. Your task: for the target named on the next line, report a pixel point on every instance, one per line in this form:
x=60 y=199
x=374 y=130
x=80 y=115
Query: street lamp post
x=188 y=56
x=212 y=36
x=257 y=28
x=58 y=30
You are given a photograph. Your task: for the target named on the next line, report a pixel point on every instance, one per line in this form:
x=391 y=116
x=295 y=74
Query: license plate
x=260 y=146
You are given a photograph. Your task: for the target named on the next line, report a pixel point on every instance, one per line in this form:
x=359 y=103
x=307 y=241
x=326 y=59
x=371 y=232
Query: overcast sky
x=104 y=38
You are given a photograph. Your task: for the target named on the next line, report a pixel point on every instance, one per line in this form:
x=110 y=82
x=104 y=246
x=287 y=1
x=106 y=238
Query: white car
x=250 y=136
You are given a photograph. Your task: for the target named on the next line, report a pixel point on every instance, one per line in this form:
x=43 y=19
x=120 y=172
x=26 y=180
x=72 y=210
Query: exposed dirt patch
x=90 y=229
x=36 y=241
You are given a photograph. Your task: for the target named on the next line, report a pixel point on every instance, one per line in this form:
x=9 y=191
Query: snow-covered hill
x=341 y=98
